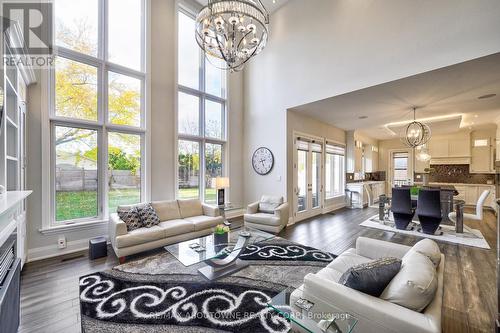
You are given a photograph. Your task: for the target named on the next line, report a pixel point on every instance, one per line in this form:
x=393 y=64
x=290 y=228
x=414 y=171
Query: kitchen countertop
x=455 y=184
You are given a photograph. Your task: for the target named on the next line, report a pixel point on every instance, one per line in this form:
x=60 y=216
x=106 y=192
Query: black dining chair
x=401 y=207
x=429 y=210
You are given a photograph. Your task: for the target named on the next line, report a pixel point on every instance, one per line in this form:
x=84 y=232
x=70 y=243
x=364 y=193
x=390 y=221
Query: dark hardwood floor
x=49 y=289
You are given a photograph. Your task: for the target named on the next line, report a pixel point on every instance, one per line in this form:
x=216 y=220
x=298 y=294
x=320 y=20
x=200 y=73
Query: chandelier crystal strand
x=415 y=133
x=230 y=32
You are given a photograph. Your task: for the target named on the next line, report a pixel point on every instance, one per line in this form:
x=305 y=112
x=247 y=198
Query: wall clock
x=263 y=161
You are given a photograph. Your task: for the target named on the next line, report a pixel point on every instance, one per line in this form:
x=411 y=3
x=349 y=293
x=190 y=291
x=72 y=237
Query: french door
x=308 y=169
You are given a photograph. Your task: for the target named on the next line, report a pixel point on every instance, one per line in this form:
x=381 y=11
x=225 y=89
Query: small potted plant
x=221 y=234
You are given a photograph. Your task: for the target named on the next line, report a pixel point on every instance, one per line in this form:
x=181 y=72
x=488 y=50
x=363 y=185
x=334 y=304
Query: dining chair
x=401 y=207
x=478 y=216
x=429 y=210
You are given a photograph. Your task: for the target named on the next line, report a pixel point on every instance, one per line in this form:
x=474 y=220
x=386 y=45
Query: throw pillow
x=131 y=218
x=268 y=204
x=414 y=287
x=430 y=249
x=148 y=215
x=372 y=277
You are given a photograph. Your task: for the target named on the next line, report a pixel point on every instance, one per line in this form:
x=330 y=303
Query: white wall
x=162 y=157
x=337 y=46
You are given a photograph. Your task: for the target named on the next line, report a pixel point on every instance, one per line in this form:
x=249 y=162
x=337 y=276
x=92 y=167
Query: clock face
x=263 y=161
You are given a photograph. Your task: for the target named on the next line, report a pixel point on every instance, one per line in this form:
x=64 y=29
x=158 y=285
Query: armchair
x=269 y=214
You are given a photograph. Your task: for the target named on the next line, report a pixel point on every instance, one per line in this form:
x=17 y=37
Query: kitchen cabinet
x=483 y=151
x=450 y=149
x=377 y=189
x=358 y=157
x=371 y=158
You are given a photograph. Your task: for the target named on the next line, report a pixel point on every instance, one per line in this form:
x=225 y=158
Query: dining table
x=448 y=204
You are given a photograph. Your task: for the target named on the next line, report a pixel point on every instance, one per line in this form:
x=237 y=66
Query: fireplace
x=10 y=282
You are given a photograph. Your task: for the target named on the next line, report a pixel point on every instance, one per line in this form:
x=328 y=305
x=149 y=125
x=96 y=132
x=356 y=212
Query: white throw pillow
x=414 y=287
x=430 y=249
x=268 y=204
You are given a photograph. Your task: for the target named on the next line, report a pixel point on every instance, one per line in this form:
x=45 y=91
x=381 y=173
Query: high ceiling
x=446 y=98
x=271 y=5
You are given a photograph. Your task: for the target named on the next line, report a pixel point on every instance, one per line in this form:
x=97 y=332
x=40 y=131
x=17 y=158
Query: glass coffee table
x=220 y=254
x=309 y=321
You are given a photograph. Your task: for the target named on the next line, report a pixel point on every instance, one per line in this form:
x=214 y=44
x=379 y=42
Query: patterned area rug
x=159 y=294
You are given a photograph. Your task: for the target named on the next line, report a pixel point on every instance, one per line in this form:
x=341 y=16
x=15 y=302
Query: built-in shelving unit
x=14 y=81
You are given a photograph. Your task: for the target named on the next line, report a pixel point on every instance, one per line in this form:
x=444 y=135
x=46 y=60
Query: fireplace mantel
x=12 y=216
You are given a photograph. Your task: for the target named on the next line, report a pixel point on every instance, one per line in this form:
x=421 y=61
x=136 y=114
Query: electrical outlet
x=61 y=242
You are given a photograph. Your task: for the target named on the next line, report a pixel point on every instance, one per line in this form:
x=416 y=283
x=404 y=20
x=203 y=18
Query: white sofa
x=374 y=314
x=181 y=220
x=269 y=214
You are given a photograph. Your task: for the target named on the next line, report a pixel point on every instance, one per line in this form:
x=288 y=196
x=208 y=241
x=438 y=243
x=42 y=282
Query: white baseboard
x=51 y=251
x=333 y=207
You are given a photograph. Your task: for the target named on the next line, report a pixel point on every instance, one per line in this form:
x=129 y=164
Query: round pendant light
x=231 y=32
x=415 y=133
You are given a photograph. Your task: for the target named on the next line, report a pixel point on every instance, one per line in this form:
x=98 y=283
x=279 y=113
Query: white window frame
x=188 y=9
x=101 y=125
x=342 y=173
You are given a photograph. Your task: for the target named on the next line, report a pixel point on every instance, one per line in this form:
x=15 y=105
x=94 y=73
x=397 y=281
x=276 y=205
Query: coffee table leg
x=217 y=268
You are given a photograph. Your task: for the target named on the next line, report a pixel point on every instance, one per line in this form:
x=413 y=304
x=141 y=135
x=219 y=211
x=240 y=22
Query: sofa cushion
x=414 y=287
x=167 y=210
x=268 y=203
x=347 y=260
x=430 y=249
x=263 y=218
x=372 y=277
x=329 y=274
x=148 y=215
x=204 y=222
x=190 y=208
x=131 y=217
x=140 y=236
x=176 y=227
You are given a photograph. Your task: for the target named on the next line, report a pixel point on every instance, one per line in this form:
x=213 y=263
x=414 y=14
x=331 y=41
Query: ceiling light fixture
x=232 y=31
x=415 y=133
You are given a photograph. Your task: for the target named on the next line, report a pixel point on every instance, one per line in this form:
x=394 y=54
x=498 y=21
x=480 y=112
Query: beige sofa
x=269 y=214
x=374 y=314
x=181 y=220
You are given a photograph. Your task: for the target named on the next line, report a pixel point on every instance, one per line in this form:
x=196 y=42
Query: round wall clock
x=262 y=161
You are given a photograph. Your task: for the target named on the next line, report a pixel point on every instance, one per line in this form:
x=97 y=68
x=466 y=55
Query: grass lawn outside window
x=73 y=205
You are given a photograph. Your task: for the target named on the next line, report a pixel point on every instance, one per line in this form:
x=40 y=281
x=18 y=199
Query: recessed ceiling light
x=362 y=117
x=487 y=96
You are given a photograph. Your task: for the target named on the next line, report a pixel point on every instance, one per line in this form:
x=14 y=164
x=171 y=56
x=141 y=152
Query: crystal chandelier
x=423 y=154
x=415 y=133
x=232 y=31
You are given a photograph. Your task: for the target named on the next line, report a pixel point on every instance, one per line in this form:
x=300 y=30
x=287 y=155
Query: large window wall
x=201 y=116
x=97 y=108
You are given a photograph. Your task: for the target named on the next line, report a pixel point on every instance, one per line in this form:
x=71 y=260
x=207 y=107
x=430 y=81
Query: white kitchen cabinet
x=482 y=151
x=450 y=149
x=471 y=195
x=459 y=147
x=358 y=157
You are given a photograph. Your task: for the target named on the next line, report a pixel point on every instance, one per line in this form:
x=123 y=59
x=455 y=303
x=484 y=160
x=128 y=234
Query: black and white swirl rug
x=159 y=294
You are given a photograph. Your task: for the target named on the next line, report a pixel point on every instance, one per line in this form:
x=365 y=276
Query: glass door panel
x=301 y=180
x=316 y=180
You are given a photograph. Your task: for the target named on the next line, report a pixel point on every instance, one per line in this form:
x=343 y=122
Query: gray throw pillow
x=148 y=216
x=372 y=277
x=131 y=218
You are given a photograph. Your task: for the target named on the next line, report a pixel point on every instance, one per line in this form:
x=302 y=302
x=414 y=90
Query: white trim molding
x=50 y=251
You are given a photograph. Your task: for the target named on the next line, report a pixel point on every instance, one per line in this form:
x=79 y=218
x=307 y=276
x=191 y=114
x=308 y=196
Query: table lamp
x=221 y=183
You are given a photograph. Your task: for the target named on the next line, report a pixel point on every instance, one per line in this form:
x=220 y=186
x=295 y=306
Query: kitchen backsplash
x=455 y=173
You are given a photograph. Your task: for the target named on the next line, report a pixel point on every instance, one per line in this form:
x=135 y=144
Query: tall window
x=400 y=164
x=334 y=171
x=97 y=108
x=201 y=117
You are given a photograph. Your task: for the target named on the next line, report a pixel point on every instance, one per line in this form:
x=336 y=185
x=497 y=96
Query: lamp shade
x=221 y=182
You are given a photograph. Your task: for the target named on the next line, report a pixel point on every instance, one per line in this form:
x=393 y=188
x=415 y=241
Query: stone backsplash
x=457 y=173
x=374 y=176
